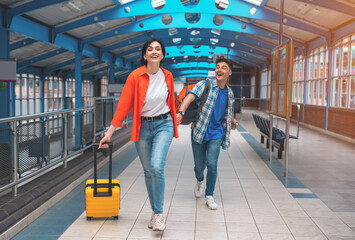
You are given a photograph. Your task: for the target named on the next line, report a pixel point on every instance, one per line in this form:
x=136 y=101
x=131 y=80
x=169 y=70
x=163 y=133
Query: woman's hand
x=107 y=137
x=104 y=140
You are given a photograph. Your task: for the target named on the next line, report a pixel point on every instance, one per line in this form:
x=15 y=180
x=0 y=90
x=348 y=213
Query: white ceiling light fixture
x=158 y=4
x=216 y=31
x=303 y=8
x=172 y=31
x=252 y=11
x=214 y=41
x=125 y=1
x=176 y=40
x=222 y=4
x=100 y=24
x=315 y=11
x=74 y=6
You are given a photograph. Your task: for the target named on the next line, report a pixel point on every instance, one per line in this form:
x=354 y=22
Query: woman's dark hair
x=146 y=45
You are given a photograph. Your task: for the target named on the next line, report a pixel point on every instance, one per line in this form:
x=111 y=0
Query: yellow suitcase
x=102 y=196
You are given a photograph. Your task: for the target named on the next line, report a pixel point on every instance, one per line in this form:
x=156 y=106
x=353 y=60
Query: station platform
x=315 y=202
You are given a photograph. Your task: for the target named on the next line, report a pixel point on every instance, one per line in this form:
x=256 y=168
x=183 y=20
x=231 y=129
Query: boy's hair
x=145 y=47
x=223 y=59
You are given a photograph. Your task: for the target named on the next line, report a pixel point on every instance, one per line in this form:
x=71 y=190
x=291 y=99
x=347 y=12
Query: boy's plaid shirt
x=199 y=128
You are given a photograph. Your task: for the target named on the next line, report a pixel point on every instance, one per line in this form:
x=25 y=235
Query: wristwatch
x=182 y=113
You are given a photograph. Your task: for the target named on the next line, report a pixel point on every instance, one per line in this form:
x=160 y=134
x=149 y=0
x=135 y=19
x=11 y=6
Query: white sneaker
x=150 y=224
x=158 y=222
x=199 y=189
x=211 y=204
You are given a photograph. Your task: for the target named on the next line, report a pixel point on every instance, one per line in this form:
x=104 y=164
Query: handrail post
x=14 y=154
x=288 y=108
x=298 y=120
x=94 y=120
x=65 y=139
x=270 y=136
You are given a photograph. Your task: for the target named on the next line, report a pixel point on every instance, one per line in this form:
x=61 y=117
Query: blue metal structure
x=90 y=39
x=226 y=24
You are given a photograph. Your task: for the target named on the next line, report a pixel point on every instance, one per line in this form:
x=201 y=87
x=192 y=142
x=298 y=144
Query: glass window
x=321 y=64
x=315 y=66
x=265 y=86
x=321 y=99
x=344 y=92
x=310 y=68
x=345 y=68
x=335 y=93
x=353 y=58
x=104 y=83
x=326 y=71
x=298 y=80
x=342 y=89
x=336 y=61
x=352 y=93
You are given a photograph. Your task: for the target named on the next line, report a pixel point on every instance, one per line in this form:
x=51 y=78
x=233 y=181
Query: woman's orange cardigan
x=133 y=96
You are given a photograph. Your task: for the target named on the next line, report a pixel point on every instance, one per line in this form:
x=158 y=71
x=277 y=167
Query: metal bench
x=278 y=136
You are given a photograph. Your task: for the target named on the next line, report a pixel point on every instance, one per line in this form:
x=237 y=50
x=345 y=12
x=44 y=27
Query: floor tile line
x=242 y=188
x=177 y=179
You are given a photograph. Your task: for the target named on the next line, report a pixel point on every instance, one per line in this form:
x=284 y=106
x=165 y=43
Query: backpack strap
x=204 y=96
x=205 y=91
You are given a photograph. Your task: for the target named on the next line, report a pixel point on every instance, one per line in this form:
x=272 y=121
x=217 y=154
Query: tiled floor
x=253 y=202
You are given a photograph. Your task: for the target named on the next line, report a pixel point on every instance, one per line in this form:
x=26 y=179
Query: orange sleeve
x=171 y=104
x=125 y=102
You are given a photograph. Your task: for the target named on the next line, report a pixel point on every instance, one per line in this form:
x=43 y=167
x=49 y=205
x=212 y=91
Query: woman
x=149 y=92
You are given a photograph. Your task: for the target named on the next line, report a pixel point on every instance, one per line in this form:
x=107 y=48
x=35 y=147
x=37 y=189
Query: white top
x=155 y=101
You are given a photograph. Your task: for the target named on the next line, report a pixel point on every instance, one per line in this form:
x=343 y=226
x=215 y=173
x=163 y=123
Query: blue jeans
x=154 y=141
x=206 y=154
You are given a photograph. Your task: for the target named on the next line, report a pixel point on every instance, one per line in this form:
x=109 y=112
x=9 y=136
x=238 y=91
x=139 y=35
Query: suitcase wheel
x=115 y=218
x=88 y=218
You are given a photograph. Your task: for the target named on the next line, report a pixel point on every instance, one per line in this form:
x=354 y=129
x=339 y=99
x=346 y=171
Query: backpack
x=192 y=112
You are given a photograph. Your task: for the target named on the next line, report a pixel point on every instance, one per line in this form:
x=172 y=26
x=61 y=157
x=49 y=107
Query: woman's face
x=154 y=54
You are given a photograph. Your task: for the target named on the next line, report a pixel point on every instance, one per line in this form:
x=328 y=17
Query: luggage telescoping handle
x=109 y=193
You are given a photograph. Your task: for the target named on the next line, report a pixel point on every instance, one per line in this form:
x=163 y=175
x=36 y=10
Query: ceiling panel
x=312 y=14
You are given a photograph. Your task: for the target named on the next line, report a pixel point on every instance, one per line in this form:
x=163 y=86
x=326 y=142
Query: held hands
x=178 y=118
x=234 y=124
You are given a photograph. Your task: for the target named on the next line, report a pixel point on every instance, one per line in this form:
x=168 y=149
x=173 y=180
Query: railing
x=271 y=117
x=34 y=143
x=297 y=121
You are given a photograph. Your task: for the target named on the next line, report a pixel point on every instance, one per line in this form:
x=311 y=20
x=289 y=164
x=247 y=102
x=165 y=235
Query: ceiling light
x=176 y=40
x=100 y=24
x=252 y=11
x=216 y=31
x=315 y=11
x=158 y=3
x=73 y=6
x=172 y=31
x=223 y=4
x=125 y=1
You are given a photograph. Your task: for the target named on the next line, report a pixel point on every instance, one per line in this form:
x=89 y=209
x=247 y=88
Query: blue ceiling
x=193 y=32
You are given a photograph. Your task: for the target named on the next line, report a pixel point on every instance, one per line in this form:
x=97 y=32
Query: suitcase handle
x=103 y=185
x=109 y=193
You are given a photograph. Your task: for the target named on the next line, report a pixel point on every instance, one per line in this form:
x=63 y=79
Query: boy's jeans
x=206 y=154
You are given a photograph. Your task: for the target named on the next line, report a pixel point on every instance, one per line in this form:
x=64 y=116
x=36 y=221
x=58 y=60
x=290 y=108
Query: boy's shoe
x=150 y=224
x=158 y=222
x=211 y=204
x=199 y=189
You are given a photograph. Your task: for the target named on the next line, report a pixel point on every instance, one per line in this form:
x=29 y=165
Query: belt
x=159 y=117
